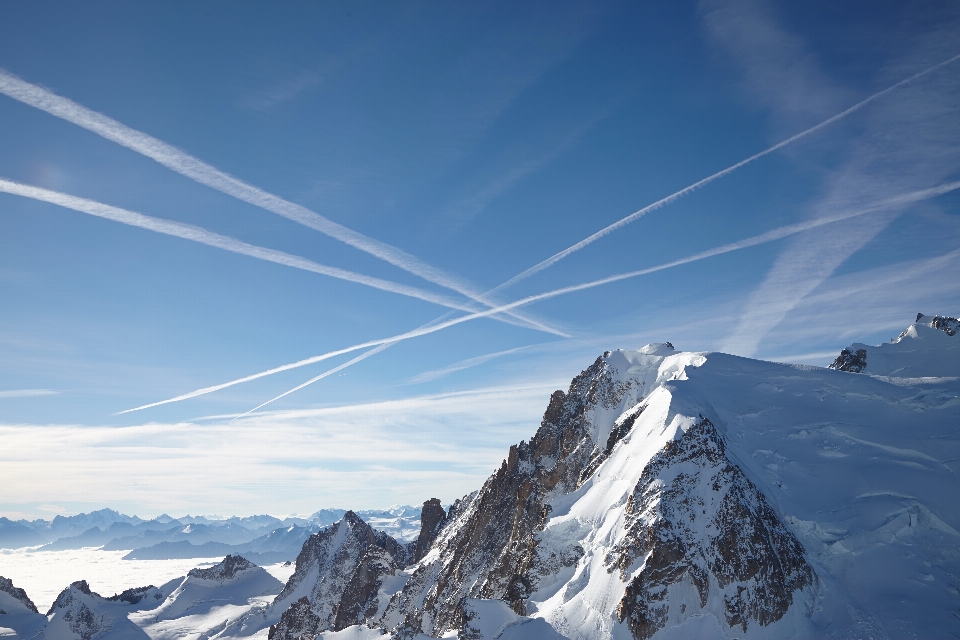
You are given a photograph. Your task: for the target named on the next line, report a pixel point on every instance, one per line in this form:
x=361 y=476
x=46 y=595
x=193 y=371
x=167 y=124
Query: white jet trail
x=328 y=372
x=557 y=257
x=199 y=171
x=203 y=236
x=769 y=236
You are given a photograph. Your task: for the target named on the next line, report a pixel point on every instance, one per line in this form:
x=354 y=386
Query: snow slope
x=926 y=348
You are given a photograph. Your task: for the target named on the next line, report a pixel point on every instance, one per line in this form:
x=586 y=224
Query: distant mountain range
x=193 y=536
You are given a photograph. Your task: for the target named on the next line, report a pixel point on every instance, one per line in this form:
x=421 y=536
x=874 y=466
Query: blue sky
x=480 y=140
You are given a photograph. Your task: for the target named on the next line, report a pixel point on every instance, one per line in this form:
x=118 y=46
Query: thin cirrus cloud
x=560 y=255
x=909 y=141
x=769 y=236
x=203 y=236
x=847 y=307
x=203 y=173
x=297 y=458
x=428 y=376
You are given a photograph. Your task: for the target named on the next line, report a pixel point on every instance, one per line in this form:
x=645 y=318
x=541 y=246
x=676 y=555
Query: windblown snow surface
x=674 y=495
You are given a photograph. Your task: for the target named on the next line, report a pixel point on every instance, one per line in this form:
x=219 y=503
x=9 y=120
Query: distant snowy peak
x=12 y=597
x=233 y=581
x=338 y=579
x=927 y=348
x=79 y=613
x=400 y=522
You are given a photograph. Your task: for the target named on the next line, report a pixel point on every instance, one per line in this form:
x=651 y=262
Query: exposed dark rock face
x=135 y=595
x=359 y=601
x=226 y=569
x=694 y=516
x=298 y=617
x=948 y=325
x=6 y=585
x=432 y=518
x=341 y=570
x=492 y=549
x=850 y=361
x=80 y=620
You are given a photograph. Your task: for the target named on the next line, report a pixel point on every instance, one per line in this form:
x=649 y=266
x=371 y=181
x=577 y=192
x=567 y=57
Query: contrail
x=769 y=236
x=557 y=257
x=203 y=236
x=199 y=171
x=328 y=372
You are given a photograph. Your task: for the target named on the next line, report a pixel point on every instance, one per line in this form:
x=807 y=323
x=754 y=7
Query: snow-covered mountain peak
x=929 y=326
x=80 y=613
x=658 y=349
x=927 y=348
x=339 y=580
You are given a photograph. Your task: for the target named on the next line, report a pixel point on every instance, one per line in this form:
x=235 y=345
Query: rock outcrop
x=226 y=569
x=17 y=594
x=432 y=518
x=851 y=361
x=137 y=595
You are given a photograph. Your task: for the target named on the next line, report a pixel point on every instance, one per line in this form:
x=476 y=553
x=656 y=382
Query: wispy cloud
x=428 y=376
x=279 y=462
x=199 y=171
x=770 y=236
x=529 y=163
x=282 y=91
x=26 y=393
x=851 y=307
x=910 y=141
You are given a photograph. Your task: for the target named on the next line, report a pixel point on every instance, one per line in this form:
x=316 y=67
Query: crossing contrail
x=328 y=372
x=769 y=236
x=183 y=163
x=557 y=257
x=203 y=236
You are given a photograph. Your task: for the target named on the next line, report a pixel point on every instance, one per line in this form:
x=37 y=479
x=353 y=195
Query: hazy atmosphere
x=439 y=213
